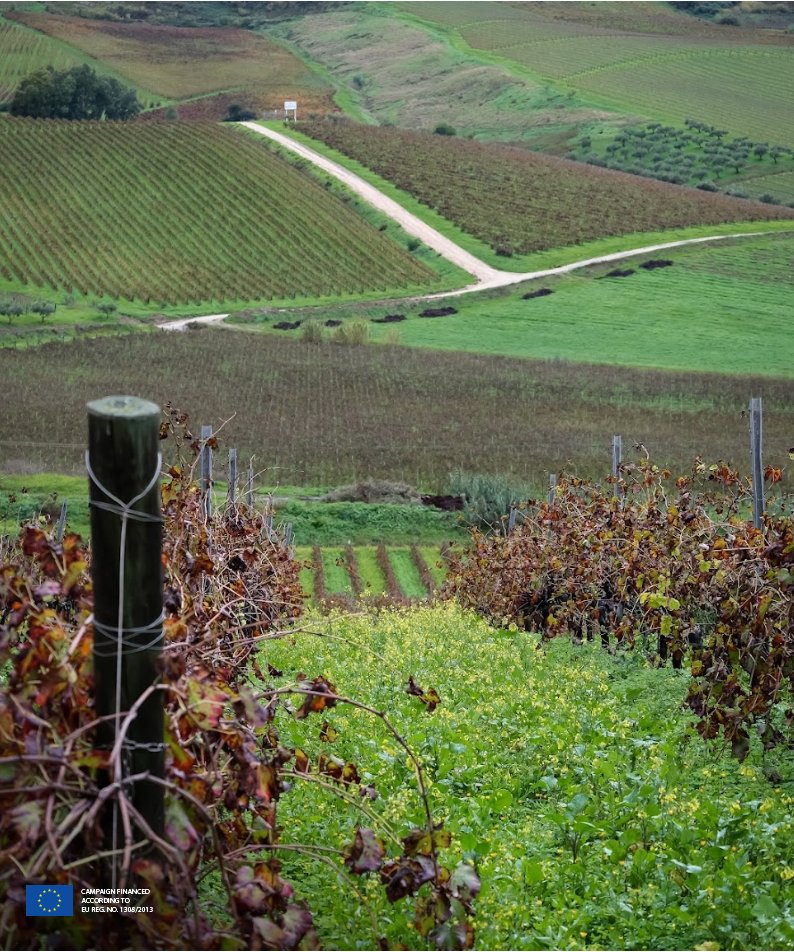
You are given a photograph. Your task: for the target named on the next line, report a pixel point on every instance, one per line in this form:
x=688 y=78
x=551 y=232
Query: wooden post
x=206 y=470
x=59 y=529
x=617 y=456
x=511 y=522
x=552 y=487
x=249 y=485
x=232 y=492
x=756 y=443
x=126 y=541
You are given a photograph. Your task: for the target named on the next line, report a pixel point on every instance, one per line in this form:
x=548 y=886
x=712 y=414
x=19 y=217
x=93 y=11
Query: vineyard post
x=511 y=522
x=206 y=470
x=288 y=533
x=249 y=486
x=124 y=465
x=552 y=487
x=232 y=492
x=617 y=456
x=756 y=442
x=59 y=530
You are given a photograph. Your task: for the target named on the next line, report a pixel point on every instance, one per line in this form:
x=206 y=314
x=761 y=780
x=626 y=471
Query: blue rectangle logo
x=49 y=900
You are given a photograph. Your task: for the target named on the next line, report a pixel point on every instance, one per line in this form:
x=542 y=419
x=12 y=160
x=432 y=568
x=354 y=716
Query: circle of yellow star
x=49 y=905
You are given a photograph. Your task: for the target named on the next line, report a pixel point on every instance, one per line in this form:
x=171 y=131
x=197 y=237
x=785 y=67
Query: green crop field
x=178 y=212
x=184 y=62
x=331 y=413
x=519 y=202
x=780 y=184
x=22 y=51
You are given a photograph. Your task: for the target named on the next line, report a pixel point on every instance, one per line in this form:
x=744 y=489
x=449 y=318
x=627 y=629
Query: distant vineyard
x=326 y=414
x=643 y=58
x=180 y=62
x=168 y=212
x=519 y=201
x=23 y=51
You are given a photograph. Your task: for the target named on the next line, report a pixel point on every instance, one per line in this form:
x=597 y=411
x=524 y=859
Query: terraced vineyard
x=398 y=573
x=183 y=62
x=22 y=51
x=520 y=202
x=168 y=212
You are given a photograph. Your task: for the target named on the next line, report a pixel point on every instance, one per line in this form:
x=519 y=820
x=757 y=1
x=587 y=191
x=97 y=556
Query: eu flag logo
x=49 y=900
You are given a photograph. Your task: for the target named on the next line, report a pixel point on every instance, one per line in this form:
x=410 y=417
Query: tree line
x=76 y=93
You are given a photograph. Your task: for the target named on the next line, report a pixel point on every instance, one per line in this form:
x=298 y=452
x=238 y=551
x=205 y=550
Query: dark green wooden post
x=126 y=542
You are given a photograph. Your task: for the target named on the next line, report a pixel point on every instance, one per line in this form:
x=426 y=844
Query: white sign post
x=291 y=106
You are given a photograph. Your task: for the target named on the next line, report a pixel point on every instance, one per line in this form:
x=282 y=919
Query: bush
x=312 y=333
x=238 y=113
x=444 y=129
x=355 y=333
x=488 y=499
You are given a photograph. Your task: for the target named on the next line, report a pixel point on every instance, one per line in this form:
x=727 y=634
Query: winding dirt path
x=486 y=277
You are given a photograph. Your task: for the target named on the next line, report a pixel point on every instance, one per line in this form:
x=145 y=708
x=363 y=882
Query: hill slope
x=519 y=202
x=178 y=212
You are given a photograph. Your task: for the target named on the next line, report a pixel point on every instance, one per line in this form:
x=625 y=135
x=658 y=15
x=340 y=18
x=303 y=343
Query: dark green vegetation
x=701 y=313
x=76 y=93
x=179 y=212
x=520 y=202
x=596 y=816
x=330 y=413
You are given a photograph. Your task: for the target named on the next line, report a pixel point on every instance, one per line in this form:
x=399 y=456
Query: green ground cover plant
x=596 y=816
x=519 y=202
x=208 y=226
x=403 y=413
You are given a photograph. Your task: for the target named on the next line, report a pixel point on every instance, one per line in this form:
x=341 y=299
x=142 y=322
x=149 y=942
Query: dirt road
x=485 y=276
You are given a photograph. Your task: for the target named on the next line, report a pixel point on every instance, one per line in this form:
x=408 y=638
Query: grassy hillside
x=392 y=69
x=331 y=413
x=169 y=212
x=639 y=58
x=719 y=307
x=518 y=202
x=185 y=62
x=22 y=51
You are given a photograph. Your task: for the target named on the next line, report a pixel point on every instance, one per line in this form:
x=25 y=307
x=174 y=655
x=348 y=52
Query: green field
x=575 y=781
x=391 y=69
x=641 y=59
x=22 y=51
x=179 y=212
x=519 y=202
x=702 y=314
x=327 y=413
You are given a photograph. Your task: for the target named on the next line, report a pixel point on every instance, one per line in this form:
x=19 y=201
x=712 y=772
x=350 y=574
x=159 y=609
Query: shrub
x=487 y=499
x=238 y=113
x=312 y=333
x=356 y=333
x=444 y=129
